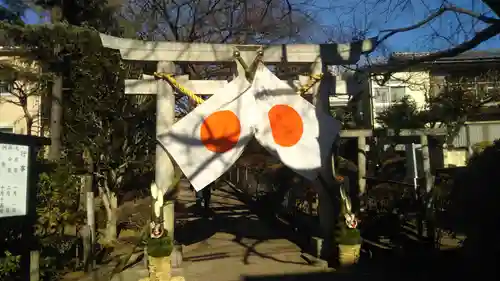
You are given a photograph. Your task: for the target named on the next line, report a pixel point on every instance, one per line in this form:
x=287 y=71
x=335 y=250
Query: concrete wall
x=12 y=115
x=455 y=157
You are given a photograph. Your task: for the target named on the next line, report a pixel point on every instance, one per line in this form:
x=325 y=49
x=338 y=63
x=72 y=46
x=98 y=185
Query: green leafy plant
x=9 y=264
x=57 y=209
x=160 y=247
x=402 y=115
x=479 y=147
x=349 y=236
x=475 y=194
x=57 y=204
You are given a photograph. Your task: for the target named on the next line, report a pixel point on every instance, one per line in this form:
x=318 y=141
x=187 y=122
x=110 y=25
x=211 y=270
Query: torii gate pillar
x=165 y=118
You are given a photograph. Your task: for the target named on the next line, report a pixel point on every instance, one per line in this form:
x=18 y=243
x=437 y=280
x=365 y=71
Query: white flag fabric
x=209 y=140
x=290 y=127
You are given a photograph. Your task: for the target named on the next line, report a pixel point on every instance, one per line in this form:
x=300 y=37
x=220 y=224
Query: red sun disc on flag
x=220 y=131
x=286 y=124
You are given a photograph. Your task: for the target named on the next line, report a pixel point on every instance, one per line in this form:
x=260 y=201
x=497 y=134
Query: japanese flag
x=207 y=141
x=290 y=127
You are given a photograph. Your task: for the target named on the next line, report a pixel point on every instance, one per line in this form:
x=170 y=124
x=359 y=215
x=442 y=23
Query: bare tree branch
x=481 y=36
x=445 y=8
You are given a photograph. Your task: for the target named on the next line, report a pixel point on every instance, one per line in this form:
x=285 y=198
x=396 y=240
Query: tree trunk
x=28 y=117
x=29 y=126
x=56 y=112
x=55 y=120
x=111 y=232
x=110 y=202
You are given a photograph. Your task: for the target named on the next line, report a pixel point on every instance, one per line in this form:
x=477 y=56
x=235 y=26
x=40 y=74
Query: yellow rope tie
x=313 y=79
x=170 y=78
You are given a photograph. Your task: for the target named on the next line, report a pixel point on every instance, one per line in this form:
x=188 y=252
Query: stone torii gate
x=168 y=53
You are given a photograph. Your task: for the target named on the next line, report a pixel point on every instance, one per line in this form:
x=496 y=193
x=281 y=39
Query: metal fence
x=473 y=133
x=253 y=182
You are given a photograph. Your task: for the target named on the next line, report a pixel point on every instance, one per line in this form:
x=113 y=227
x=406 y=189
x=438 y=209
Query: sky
x=31 y=17
x=376 y=15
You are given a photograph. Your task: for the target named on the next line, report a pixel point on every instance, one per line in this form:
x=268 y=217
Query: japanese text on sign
x=13 y=180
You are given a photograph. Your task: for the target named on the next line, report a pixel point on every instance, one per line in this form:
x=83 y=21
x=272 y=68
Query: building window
x=388 y=95
x=8 y=130
x=379 y=108
x=5 y=87
x=479 y=87
x=384 y=97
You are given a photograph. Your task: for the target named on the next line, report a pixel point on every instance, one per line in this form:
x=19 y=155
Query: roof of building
x=465 y=56
x=398 y=59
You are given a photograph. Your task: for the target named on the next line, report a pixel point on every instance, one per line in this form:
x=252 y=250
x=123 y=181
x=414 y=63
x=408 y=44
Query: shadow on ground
x=443 y=265
x=248 y=221
x=244 y=224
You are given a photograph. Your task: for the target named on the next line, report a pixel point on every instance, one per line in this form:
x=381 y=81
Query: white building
x=12 y=91
x=415 y=85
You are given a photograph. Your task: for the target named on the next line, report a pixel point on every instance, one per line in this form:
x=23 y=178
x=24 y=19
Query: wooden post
x=429 y=183
x=90 y=225
x=470 y=151
x=426 y=163
x=361 y=169
x=87 y=233
x=34 y=254
x=34 y=266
